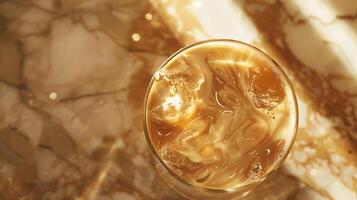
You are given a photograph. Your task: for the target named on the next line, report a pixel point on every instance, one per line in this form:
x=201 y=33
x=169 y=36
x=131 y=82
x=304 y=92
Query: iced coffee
x=220 y=115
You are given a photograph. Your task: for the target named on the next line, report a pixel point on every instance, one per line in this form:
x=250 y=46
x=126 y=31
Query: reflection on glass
x=220 y=116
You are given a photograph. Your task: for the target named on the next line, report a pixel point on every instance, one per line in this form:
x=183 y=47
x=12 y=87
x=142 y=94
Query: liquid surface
x=220 y=115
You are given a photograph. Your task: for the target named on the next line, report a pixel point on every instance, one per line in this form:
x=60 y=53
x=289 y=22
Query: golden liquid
x=220 y=115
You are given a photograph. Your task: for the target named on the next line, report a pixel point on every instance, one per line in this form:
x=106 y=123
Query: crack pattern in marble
x=73 y=75
x=71 y=84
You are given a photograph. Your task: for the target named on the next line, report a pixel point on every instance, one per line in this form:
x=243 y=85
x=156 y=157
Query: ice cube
x=256 y=170
x=177 y=161
x=184 y=73
x=263 y=87
x=172 y=103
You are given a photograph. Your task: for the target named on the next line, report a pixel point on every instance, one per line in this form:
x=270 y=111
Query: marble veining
x=73 y=74
x=314 y=42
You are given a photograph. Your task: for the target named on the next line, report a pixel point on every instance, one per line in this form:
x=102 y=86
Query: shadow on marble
x=323 y=65
x=301 y=42
x=72 y=81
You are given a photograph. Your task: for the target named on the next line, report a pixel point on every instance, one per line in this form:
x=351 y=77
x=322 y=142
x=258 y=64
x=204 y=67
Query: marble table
x=73 y=74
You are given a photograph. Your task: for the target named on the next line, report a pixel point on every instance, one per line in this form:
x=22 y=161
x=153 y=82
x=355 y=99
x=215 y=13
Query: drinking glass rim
x=272 y=170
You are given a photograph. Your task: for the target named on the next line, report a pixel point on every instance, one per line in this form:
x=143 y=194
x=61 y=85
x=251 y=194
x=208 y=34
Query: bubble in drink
x=220 y=115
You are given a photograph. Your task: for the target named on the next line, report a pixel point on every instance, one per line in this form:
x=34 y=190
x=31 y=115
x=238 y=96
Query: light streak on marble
x=199 y=20
x=58 y=146
x=315 y=43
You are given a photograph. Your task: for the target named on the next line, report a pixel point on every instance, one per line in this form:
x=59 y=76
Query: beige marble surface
x=73 y=75
x=71 y=91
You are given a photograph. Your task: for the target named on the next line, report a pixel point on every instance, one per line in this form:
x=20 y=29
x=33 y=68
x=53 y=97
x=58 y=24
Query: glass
x=243 y=57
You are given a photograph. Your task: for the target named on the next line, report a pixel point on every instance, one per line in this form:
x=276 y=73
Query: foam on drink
x=220 y=115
